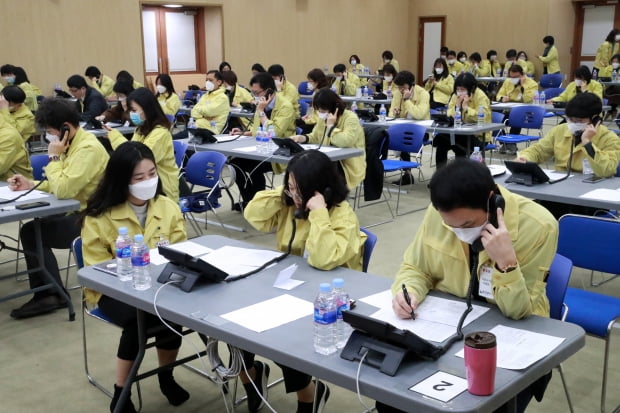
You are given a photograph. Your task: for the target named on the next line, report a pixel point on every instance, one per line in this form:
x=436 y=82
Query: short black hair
x=549 y=39
x=123 y=74
x=461 y=54
x=264 y=80
x=276 y=70
x=216 y=73
x=258 y=67
x=404 y=77
x=491 y=53
x=522 y=52
x=318 y=76
x=14 y=94
x=451 y=53
x=356 y=57
x=389 y=69
x=387 y=55
x=223 y=65
x=584 y=105
x=123 y=86
x=327 y=99
x=510 y=53
x=462 y=183
x=475 y=56
x=466 y=80
x=55 y=112
x=340 y=68
x=615 y=57
x=443 y=49
x=6 y=69
x=77 y=81
x=92 y=71
x=583 y=72
x=516 y=69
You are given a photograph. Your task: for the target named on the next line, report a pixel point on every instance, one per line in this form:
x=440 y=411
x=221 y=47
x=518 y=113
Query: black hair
x=461 y=54
x=276 y=70
x=153 y=113
x=264 y=80
x=356 y=57
x=55 y=112
x=123 y=74
x=318 y=76
x=522 y=52
x=584 y=105
x=389 y=68
x=14 y=94
x=258 y=67
x=616 y=56
x=443 y=49
x=442 y=62
x=516 y=69
x=123 y=86
x=6 y=69
x=223 y=65
x=466 y=80
x=405 y=77
x=340 y=68
x=327 y=99
x=611 y=37
x=92 y=71
x=491 y=53
x=583 y=72
x=462 y=183
x=20 y=75
x=475 y=56
x=451 y=53
x=315 y=172
x=229 y=77
x=510 y=53
x=549 y=40
x=113 y=189
x=166 y=81
x=216 y=73
x=387 y=55
x=76 y=81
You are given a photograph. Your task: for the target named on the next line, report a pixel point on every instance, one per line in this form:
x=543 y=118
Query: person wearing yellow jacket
x=480 y=67
x=454 y=66
x=439 y=85
x=345 y=83
x=605 y=51
x=583 y=83
x=338 y=126
x=152 y=129
x=495 y=65
x=15 y=113
x=76 y=164
x=518 y=87
x=511 y=59
x=529 y=68
x=15 y=75
x=327 y=232
x=388 y=59
x=100 y=82
x=130 y=196
x=166 y=95
x=462 y=58
x=211 y=111
x=237 y=94
x=613 y=67
x=358 y=68
x=550 y=56
x=597 y=144
x=14 y=158
x=284 y=87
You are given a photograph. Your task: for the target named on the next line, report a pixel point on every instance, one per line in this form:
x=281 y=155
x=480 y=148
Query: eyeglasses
x=258 y=94
x=294 y=196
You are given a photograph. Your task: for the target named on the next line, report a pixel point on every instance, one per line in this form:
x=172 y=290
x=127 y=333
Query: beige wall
x=53 y=39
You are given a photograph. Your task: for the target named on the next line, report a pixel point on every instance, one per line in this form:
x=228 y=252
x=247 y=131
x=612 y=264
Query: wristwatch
x=261 y=114
x=508 y=268
x=52 y=158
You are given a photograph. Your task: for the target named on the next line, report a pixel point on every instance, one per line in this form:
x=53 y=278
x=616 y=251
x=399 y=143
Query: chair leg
x=90 y=378
x=568 y=399
x=613 y=324
x=605 y=280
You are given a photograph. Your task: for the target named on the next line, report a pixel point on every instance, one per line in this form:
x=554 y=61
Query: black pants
x=294 y=380
x=57 y=231
x=249 y=176
x=124 y=316
x=442 y=145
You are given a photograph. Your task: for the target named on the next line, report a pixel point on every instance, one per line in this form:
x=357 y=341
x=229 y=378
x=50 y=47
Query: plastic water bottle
x=505 y=72
x=271 y=133
x=140 y=263
x=586 y=167
x=365 y=92
x=324 y=321
x=458 y=120
x=382 y=113
x=388 y=93
x=480 y=115
x=476 y=155
x=542 y=98
x=343 y=329
x=260 y=140
x=191 y=124
x=499 y=72
x=536 y=98
x=354 y=107
x=366 y=70
x=213 y=126
x=123 y=255
x=614 y=76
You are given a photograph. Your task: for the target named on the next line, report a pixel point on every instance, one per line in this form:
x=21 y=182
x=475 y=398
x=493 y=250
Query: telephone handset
x=496 y=201
x=64 y=130
x=596 y=120
x=303 y=213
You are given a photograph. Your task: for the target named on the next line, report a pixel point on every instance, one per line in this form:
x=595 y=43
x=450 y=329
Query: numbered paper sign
x=441 y=386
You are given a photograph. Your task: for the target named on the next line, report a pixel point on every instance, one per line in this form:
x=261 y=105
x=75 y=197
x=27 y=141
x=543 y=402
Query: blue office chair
x=550 y=80
x=496 y=117
x=524 y=117
x=180 y=148
x=369 y=246
x=38 y=162
x=303 y=107
x=550 y=94
x=557 y=283
x=302 y=88
x=405 y=137
x=590 y=243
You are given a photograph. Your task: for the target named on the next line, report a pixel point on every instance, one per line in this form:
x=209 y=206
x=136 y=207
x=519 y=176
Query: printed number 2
x=441 y=386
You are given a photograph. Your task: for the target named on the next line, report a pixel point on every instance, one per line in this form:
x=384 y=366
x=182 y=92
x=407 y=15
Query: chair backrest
x=406 y=137
x=557 y=282
x=553 y=92
x=76 y=247
x=302 y=88
x=180 y=148
x=550 y=80
x=38 y=162
x=618 y=170
x=303 y=107
x=369 y=246
x=590 y=242
x=527 y=117
x=204 y=168
x=497 y=117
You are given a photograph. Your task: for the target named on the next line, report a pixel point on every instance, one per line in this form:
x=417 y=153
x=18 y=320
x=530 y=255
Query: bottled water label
x=141 y=260
x=324 y=316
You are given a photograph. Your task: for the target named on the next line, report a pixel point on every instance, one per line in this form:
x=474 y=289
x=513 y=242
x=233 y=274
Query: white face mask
x=515 y=80
x=578 y=82
x=439 y=71
x=353 y=62
x=386 y=61
x=322 y=115
x=51 y=138
x=338 y=77
x=461 y=93
x=387 y=78
x=522 y=58
x=493 y=58
x=144 y=190
x=161 y=89
x=209 y=85
x=615 y=65
x=617 y=37
x=451 y=61
x=574 y=127
x=469 y=235
x=229 y=87
x=463 y=59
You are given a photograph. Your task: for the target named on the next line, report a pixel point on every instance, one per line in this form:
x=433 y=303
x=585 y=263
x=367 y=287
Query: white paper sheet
x=236 y=261
x=190 y=247
x=555 y=174
x=603 y=194
x=284 y=280
x=518 y=349
x=246 y=149
x=271 y=313
x=323 y=149
x=6 y=193
x=441 y=386
x=156 y=257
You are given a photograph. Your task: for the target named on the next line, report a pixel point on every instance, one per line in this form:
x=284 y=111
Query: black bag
x=442 y=121
x=201 y=136
x=367 y=115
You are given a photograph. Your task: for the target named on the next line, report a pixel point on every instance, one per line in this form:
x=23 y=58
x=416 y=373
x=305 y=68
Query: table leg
x=136 y=363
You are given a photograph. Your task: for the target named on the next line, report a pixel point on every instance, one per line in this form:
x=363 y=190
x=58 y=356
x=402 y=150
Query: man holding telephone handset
x=515 y=244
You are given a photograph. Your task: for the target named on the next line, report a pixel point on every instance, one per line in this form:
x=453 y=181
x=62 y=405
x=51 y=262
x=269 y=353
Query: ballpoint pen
x=408 y=300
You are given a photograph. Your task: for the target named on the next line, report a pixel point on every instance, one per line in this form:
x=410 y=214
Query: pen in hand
x=408 y=300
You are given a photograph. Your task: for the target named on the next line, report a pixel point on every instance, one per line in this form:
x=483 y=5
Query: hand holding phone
x=497 y=242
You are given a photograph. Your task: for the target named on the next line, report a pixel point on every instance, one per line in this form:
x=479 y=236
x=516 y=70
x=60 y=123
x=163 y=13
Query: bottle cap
x=476 y=148
x=338 y=283
x=325 y=287
x=138 y=238
x=122 y=231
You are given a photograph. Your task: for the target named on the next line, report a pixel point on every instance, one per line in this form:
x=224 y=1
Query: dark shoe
x=322 y=396
x=239 y=206
x=175 y=394
x=511 y=149
x=406 y=179
x=502 y=148
x=255 y=401
x=39 y=306
x=128 y=407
